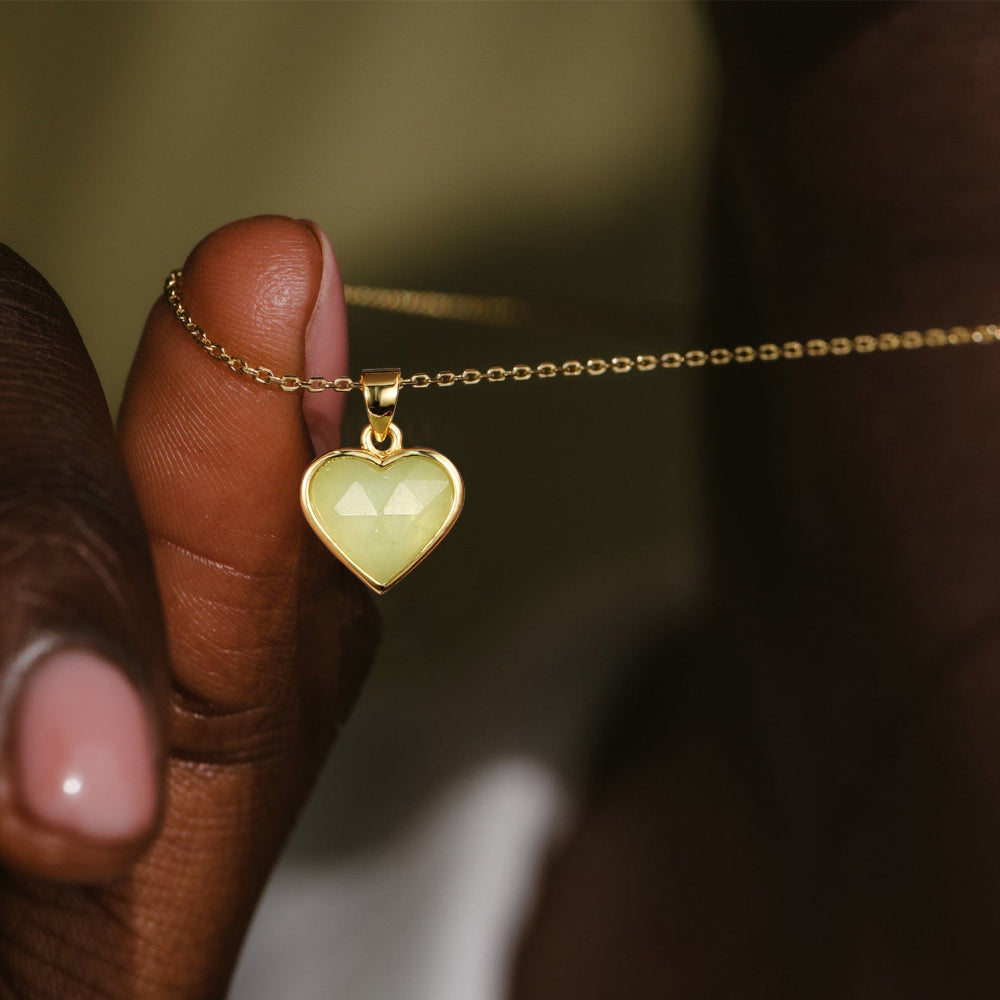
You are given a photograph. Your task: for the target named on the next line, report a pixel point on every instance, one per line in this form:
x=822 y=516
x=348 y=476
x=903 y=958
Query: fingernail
x=84 y=753
x=326 y=351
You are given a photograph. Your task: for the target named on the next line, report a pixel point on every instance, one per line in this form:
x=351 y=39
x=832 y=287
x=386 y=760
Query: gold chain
x=509 y=312
x=490 y=310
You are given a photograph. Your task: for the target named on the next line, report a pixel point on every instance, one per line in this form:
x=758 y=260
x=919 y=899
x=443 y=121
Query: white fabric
x=433 y=916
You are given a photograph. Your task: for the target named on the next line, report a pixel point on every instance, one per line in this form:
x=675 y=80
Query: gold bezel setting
x=382 y=460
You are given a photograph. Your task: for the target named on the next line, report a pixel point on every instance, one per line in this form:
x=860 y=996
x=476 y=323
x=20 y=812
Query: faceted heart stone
x=382 y=518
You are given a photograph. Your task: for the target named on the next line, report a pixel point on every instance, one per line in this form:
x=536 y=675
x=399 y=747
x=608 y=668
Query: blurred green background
x=552 y=151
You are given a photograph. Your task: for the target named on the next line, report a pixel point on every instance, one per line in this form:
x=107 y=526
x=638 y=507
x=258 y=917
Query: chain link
x=500 y=311
x=493 y=310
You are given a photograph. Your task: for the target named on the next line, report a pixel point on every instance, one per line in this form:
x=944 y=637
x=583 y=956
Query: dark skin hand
x=175 y=552
x=803 y=799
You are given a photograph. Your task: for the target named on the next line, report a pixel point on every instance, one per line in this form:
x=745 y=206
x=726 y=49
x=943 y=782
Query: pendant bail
x=381 y=390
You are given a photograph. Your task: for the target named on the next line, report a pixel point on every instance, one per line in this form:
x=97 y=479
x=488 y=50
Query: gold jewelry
x=381 y=511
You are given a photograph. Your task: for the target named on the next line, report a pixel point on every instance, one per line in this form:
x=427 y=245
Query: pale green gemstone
x=382 y=518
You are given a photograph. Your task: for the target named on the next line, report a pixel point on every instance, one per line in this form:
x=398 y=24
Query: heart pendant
x=381 y=512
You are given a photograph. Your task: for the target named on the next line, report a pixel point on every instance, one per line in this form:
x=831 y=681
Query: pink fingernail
x=326 y=351
x=84 y=755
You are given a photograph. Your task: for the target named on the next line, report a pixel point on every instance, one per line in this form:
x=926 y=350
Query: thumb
x=269 y=636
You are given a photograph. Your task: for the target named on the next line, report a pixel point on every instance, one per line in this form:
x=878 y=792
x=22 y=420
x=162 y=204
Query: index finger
x=82 y=645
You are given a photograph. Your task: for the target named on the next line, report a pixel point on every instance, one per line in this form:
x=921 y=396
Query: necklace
x=382 y=508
